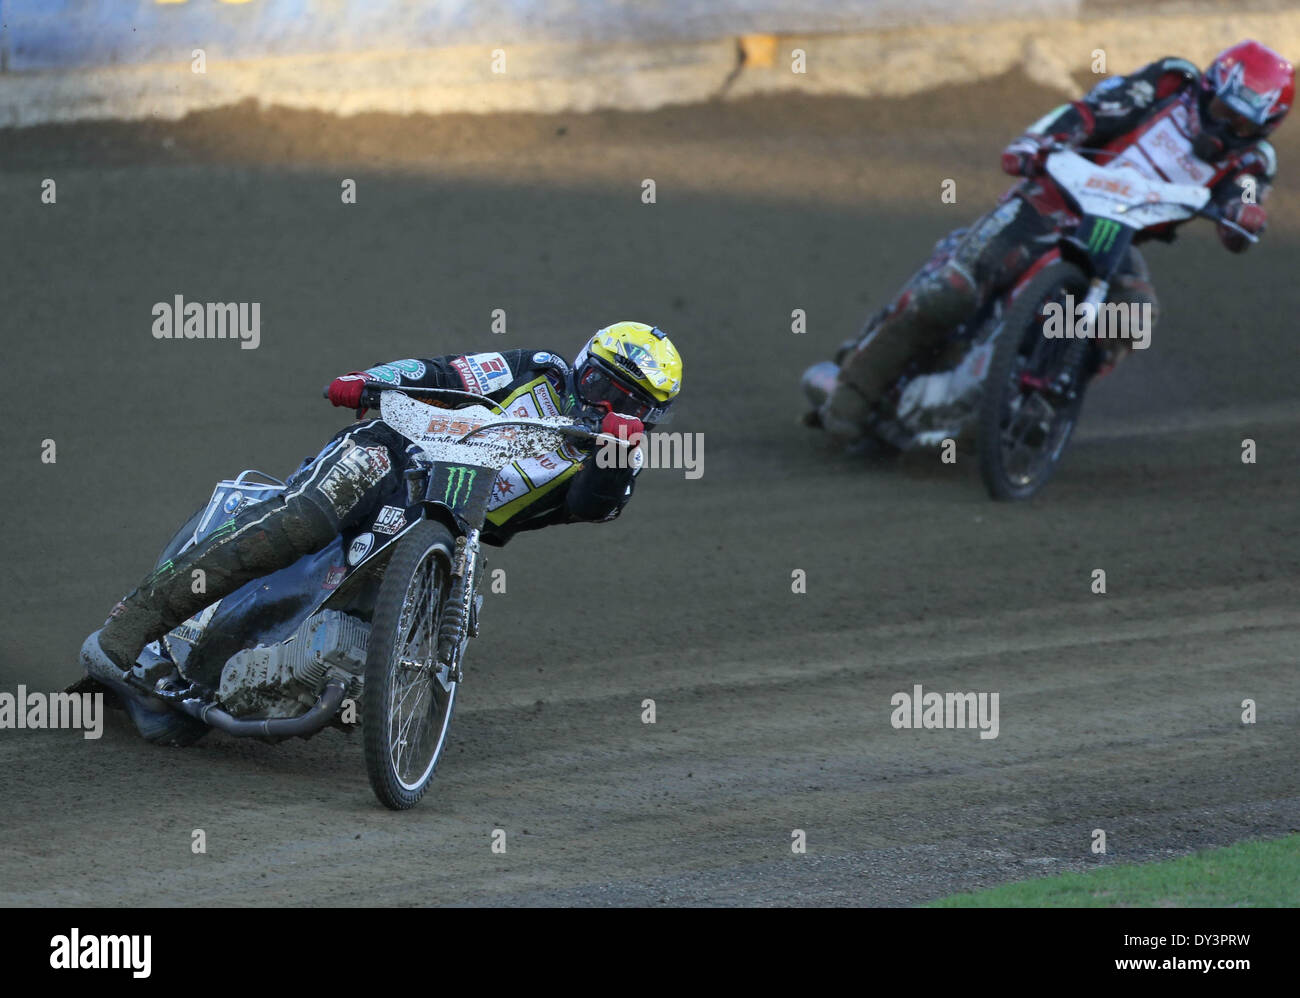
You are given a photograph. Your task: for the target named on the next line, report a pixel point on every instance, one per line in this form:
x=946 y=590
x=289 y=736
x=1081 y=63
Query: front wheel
x=409 y=694
x=1034 y=389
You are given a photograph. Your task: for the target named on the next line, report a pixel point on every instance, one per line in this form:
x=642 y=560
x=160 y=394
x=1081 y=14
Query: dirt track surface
x=1119 y=712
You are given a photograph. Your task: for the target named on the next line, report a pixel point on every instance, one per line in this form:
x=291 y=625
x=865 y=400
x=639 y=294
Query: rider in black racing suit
x=362 y=466
x=563 y=489
x=1167 y=120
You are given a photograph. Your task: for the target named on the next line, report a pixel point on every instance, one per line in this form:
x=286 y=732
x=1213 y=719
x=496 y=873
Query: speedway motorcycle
x=374 y=626
x=1003 y=381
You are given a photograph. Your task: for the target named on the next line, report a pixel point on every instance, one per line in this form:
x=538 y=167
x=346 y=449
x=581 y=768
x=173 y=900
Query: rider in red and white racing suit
x=1167 y=120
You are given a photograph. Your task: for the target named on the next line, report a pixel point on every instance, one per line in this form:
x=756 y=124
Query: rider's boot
x=259 y=540
x=926 y=312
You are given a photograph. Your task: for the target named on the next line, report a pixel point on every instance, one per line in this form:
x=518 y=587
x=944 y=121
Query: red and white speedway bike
x=1004 y=377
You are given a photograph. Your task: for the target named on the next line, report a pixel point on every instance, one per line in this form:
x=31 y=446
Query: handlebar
x=1211 y=211
x=575 y=430
x=372 y=392
x=370 y=395
x=370 y=398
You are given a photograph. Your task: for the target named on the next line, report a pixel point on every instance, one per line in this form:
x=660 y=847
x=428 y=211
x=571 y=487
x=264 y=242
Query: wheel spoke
x=402 y=735
x=412 y=610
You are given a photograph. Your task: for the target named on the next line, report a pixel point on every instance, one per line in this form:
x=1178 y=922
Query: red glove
x=346 y=391
x=1251 y=217
x=1025 y=156
x=623 y=427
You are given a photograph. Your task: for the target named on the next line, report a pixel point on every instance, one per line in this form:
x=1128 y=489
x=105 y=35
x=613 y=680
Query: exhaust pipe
x=274 y=727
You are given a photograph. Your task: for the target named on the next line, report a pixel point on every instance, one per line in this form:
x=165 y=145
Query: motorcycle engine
x=944 y=400
x=285 y=679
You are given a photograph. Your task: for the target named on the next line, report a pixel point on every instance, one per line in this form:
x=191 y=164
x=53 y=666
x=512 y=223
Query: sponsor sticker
x=524 y=407
x=354 y=472
x=390 y=520
x=489 y=371
x=467 y=377
x=233 y=502
x=543 y=468
x=510 y=485
x=334 y=576
x=1141 y=93
x=392 y=374
x=543 y=358
x=549 y=407
x=460 y=484
x=360 y=548
x=192 y=629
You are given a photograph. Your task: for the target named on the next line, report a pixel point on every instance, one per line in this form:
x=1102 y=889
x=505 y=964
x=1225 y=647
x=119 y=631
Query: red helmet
x=1246 y=92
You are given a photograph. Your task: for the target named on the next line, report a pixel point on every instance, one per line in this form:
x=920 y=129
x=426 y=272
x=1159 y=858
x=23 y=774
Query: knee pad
x=305 y=524
x=261 y=540
x=255 y=542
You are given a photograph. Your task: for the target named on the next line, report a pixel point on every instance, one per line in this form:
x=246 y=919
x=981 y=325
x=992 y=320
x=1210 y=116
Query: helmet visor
x=596 y=386
x=1240 y=125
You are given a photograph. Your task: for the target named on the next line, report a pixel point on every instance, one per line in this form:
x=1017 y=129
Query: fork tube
x=1097 y=290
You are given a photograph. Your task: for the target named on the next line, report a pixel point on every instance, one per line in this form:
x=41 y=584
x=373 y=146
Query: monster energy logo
x=456 y=477
x=1102 y=236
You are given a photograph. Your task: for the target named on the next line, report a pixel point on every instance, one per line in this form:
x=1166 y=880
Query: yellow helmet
x=631 y=367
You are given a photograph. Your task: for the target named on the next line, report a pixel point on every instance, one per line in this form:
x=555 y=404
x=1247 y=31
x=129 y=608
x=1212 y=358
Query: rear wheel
x=409 y=695
x=1033 y=391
